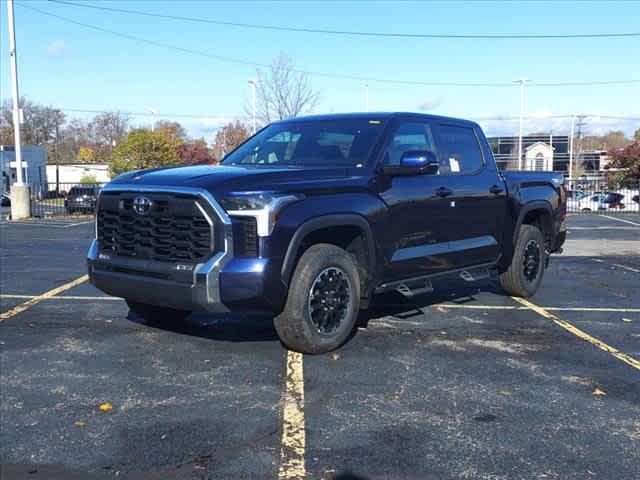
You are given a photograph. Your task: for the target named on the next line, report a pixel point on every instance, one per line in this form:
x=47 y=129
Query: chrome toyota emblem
x=142 y=205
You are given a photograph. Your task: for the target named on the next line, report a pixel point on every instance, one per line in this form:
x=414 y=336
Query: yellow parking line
x=553 y=309
x=624 y=267
x=622 y=220
x=66 y=297
x=579 y=333
x=441 y=306
x=30 y=303
x=292 y=450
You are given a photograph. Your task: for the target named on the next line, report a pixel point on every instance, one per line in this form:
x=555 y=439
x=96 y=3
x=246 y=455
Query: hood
x=225 y=179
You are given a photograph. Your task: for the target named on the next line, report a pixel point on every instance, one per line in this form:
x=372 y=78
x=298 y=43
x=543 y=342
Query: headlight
x=264 y=207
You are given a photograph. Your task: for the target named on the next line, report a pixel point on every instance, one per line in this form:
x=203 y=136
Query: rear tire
x=156 y=315
x=323 y=301
x=524 y=275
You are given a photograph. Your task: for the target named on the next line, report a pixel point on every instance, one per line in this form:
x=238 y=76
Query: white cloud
x=209 y=124
x=545 y=121
x=57 y=48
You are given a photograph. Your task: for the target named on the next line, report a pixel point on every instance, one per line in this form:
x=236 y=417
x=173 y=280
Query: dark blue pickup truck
x=311 y=217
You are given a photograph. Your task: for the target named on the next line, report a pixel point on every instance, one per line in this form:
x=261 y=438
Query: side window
x=459 y=151
x=408 y=136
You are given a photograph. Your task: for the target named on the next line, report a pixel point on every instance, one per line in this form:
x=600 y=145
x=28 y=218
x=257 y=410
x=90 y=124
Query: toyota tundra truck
x=310 y=218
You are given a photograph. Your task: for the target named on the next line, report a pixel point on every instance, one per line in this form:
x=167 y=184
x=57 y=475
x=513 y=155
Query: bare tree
x=109 y=129
x=228 y=138
x=283 y=91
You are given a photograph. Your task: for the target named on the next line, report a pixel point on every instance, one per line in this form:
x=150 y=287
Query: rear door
x=477 y=202
x=416 y=237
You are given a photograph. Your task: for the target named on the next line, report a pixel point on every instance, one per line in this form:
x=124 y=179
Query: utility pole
x=253 y=84
x=366 y=97
x=20 y=197
x=521 y=82
x=580 y=123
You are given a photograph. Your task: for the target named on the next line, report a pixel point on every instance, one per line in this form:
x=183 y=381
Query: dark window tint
x=408 y=136
x=458 y=148
x=82 y=191
x=613 y=198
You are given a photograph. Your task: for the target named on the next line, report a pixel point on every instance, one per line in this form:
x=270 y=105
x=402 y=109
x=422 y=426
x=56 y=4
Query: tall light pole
x=20 y=198
x=573 y=128
x=253 y=84
x=366 y=97
x=522 y=82
x=152 y=112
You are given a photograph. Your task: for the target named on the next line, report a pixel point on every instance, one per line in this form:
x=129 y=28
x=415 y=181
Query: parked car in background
x=573 y=200
x=591 y=202
x=82 y=199
x=628 y=202
x=5 y=200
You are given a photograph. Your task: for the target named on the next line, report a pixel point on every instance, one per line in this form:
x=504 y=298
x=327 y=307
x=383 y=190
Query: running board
x=417 y=288
x=475 y=275
x=469 y=274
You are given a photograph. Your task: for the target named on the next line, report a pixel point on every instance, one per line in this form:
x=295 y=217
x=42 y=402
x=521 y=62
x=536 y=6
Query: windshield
x=345 y=143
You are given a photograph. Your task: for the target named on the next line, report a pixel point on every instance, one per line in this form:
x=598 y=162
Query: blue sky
x=69 y=66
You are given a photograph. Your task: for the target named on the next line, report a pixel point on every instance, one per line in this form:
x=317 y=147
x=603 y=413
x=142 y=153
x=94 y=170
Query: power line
x=159 y=114
x=208 y=115
x=220 y=58
x=255 y=26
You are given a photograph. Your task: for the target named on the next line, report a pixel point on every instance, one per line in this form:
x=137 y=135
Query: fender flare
x=333 y=220
x=526 y=208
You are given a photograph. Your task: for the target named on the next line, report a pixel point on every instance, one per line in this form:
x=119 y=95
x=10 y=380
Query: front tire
x=323 y=301
x=155 y=315
x=525 y=272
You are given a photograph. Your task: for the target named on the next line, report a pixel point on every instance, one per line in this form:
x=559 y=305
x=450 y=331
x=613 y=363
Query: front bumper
x=218 y=286
x=149 y=282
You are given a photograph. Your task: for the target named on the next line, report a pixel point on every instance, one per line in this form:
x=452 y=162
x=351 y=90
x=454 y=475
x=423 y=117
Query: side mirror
x=415 y=162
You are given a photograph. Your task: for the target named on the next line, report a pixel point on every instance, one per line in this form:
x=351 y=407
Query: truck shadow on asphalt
x=251 y=327
x=458 y=292
x=258 y=327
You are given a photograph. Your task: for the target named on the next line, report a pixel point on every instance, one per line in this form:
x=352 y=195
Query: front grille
x=173 y=230
x=245 y=233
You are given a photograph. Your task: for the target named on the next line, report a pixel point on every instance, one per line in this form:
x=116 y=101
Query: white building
x=539 y=156
x=74 y=173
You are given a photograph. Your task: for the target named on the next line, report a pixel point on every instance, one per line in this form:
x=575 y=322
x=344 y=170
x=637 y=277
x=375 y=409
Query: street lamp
x=20 y=195
x=522 y=82
x=153 y=118
x=254 y=84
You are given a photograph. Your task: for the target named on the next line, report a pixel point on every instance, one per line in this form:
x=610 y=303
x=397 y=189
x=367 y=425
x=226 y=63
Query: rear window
x=82 y=191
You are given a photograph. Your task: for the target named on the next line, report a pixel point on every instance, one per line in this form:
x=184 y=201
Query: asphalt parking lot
x=463 y=383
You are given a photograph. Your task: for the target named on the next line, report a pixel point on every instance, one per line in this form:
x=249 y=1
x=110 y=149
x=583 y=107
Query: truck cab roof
x=382 y=116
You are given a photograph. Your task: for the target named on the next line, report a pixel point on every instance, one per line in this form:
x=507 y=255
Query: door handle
x=443 y=192
x=496 y=189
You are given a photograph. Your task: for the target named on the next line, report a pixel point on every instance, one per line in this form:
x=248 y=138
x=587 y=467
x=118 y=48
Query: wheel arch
x=316 y=230
x=535 y=213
